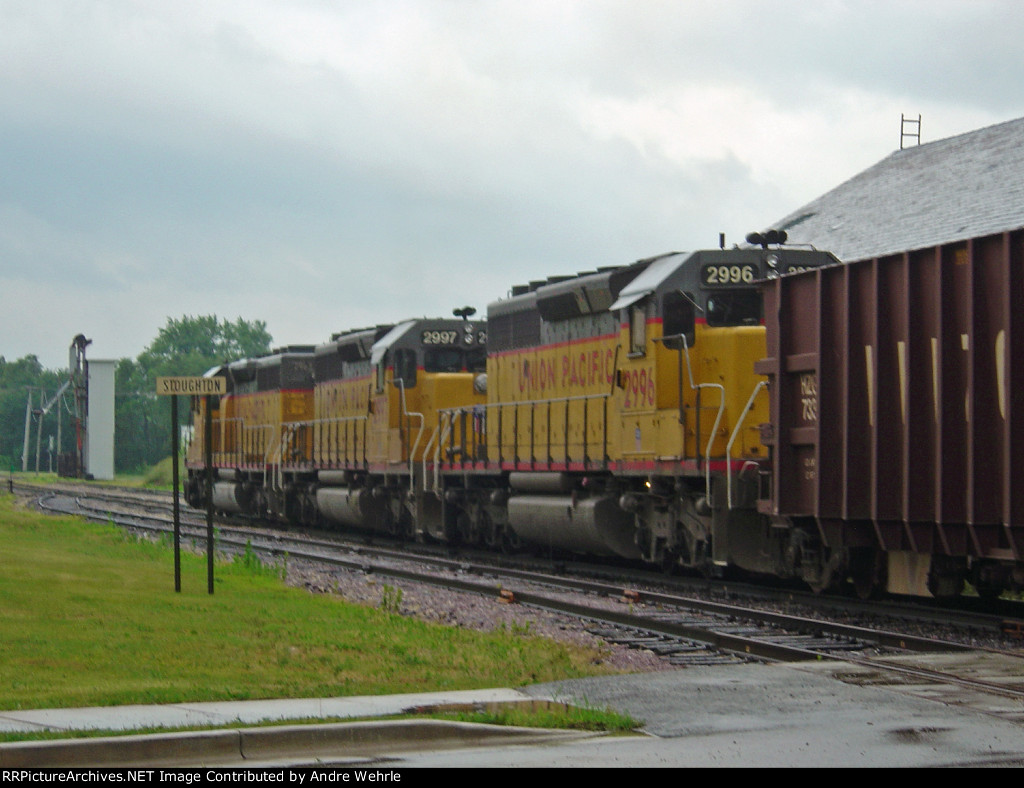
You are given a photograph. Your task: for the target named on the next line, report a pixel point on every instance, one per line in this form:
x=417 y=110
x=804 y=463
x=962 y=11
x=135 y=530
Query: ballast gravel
x=468 y=610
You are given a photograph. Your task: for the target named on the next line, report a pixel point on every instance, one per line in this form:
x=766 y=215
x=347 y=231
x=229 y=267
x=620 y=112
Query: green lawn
x=90 y=617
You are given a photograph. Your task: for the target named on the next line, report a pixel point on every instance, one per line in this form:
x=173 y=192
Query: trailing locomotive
x=340 y=432
x=682 y=411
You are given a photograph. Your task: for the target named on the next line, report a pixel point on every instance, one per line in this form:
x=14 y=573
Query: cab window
x=638 y=330
x=734 y=308
x=677 y=313
x=442 y=360
x=405 y=367
x=476 y=359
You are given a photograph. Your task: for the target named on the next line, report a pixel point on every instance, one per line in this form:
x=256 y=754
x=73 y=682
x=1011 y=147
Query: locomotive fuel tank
x=592 y=526
x=231 y=496
x=353 y=508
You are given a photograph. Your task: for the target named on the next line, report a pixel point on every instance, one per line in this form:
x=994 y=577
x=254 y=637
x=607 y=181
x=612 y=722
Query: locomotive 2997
x=704 y=410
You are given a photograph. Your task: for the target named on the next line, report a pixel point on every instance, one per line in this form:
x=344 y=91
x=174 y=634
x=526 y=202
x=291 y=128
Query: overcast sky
x=330 y=164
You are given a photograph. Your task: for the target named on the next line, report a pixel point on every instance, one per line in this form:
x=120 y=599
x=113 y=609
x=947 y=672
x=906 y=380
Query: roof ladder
x=909 y=129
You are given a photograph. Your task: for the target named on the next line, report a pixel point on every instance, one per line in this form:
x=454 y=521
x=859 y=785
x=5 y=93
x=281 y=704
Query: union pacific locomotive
x=708 y=410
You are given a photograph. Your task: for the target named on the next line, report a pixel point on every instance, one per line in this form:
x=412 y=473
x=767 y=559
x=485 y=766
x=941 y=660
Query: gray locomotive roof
x=962 y=187
x=352 y=345
x=381 y=346
x=648 y=280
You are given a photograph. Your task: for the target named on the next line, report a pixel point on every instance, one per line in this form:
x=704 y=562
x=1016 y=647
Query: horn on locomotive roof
x=770 y=237
x=465 y=313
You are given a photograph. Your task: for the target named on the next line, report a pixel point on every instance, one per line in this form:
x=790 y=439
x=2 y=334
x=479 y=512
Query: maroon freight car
x=897 y=429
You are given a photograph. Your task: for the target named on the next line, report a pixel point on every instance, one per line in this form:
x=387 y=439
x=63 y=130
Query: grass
x=161 y=475
x=91 y=619
x=548 y=716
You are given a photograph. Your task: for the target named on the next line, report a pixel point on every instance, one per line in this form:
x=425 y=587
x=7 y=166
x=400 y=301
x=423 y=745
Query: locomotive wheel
x=510 y=542
x=389 y=523
x=491 y=532
x=464 y=529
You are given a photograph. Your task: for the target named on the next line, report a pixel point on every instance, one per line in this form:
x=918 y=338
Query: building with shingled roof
x=961 y=187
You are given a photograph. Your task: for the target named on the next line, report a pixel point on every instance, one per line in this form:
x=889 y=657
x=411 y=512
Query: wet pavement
x=733 y=716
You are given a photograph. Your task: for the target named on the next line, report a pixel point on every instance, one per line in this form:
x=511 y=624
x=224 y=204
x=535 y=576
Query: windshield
x=734 y=308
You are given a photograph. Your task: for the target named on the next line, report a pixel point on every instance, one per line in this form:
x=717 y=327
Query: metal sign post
x=194 y=386
x=175 y=440
x=208 y=439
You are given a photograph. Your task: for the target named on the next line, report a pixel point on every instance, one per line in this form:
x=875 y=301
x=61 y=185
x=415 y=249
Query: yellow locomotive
x=623 y=413
x=257 y=431
x=619 y=415
x=340 y=432
x=378 y=397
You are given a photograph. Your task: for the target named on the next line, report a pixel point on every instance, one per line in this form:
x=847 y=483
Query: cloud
x=321 y=165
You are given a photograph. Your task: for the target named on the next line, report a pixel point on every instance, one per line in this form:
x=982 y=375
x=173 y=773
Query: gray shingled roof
x=962 y=187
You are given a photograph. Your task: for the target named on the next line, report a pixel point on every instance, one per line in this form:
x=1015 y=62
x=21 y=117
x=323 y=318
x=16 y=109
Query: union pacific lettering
x=344 y=397
x=561 y=370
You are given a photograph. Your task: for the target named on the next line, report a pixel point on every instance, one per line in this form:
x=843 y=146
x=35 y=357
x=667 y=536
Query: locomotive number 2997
x=452 y=338
x=440 y=337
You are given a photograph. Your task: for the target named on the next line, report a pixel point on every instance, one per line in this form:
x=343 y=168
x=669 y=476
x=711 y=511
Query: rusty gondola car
x=896 y=430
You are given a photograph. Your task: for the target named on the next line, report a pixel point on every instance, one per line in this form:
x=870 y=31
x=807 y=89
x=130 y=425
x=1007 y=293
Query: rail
x=268 y=475
x=684 y=352
x=329 y=443
x=419 y=434
x=437 y=436
x=732 y=439
x=555 y=417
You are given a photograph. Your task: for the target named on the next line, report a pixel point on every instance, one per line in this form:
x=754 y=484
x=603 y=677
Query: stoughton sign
x=191 y=386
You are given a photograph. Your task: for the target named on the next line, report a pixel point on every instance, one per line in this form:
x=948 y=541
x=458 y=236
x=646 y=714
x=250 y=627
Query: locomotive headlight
x=773 y=274
x=772 y=260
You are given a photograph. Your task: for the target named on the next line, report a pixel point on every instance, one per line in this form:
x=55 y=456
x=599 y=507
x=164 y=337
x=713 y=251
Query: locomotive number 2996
x=728 y=274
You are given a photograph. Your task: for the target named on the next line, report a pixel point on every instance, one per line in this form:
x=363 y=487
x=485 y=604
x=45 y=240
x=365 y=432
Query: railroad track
x=687 y=632
x=682 y=629
x=108 y=502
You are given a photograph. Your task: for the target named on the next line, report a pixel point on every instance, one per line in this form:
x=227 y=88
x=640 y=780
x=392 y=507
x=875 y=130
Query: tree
x=192 y=345
x=185 y=346
x=16 y=379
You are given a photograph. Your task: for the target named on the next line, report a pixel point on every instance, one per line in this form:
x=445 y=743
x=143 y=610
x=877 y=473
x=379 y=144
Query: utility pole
x=39 y=427
x=28 y=425
x=59 y=404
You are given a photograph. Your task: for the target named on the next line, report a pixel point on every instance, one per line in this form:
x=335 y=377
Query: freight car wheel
x=988 y=592
x=867 y=571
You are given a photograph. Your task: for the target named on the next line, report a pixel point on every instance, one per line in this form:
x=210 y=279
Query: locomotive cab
x=379 y=422
x=695 y=330
x=618 y=400
x=259 y=432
